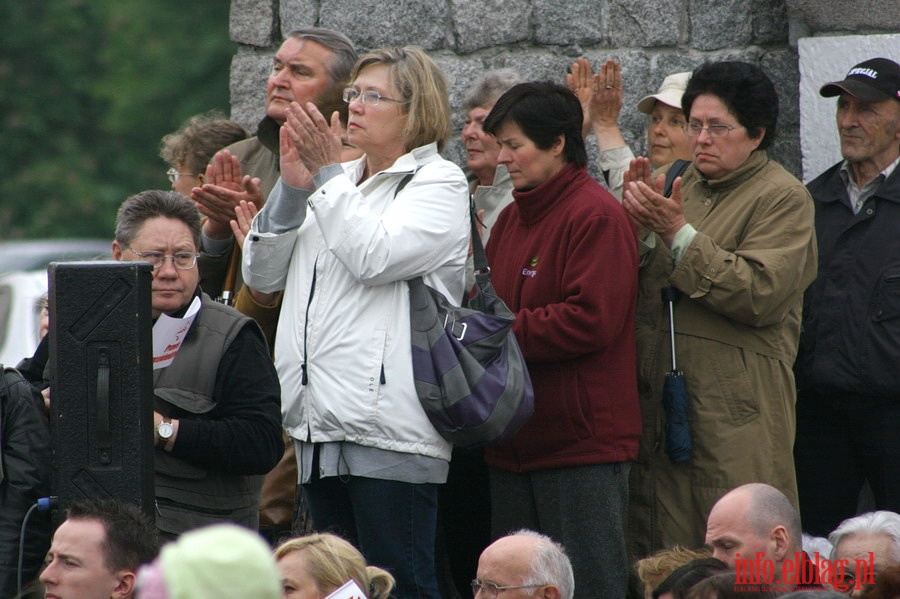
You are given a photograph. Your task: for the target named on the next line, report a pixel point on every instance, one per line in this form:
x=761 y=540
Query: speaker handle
x=104 y=435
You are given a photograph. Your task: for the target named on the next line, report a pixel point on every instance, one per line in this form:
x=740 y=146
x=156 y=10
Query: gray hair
x=339 y=67
x=881 y=522
x=340 y=45
x=549 y=565
x=155 y=203
x=490 y=86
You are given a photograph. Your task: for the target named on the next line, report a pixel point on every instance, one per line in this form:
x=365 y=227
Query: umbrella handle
x=670 y=294
x=669 y=297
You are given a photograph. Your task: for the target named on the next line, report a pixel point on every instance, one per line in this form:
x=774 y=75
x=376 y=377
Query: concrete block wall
x=541 y=38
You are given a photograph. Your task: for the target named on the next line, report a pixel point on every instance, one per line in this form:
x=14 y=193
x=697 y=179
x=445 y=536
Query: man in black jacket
x=848 y=366
x=24 y=477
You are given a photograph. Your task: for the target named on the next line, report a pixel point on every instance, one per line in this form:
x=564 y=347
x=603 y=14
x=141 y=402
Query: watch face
x=165 y=430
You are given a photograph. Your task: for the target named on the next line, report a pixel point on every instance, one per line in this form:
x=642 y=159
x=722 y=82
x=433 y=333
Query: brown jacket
x=737 y=325
x=259 y=158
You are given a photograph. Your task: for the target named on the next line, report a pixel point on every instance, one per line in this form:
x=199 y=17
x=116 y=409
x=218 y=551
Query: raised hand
x=223 y=190
x=243 y=218
x=600 y=95
x=240 y=226
x=578 y=80
x=606 y=100
x=293 y=171
x=640 y=170
x=646 y=205
x=318 y=143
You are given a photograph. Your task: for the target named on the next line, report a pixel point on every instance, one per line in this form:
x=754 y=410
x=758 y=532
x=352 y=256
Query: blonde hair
x=424 y=89
x=332 y=561
x=654 y=569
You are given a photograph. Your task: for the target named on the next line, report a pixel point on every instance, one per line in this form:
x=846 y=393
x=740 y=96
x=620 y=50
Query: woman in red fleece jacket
x=564 y=258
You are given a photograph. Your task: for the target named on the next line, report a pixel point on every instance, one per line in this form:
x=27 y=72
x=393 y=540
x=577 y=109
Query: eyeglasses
x=173 y=175
x=181 y=260
x=490 y=589
x=371 y=97
x=719 y=130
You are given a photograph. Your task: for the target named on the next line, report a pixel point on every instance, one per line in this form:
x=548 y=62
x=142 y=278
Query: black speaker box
x=101 y=385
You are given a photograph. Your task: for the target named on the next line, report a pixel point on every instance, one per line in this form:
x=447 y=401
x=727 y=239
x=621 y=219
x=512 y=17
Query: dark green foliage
x=87 y=90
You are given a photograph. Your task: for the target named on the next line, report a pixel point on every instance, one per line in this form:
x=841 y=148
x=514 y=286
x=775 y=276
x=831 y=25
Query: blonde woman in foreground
x=314 y=566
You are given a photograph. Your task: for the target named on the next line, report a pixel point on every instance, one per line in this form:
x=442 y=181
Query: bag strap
x=478 y=255
x=678 y=167
x=403 y=182
x=480 y=258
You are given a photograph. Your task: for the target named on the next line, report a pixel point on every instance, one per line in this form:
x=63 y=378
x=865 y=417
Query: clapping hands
x=224 y=189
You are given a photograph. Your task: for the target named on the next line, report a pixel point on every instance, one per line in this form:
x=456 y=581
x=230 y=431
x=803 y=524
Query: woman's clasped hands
x=645 y=203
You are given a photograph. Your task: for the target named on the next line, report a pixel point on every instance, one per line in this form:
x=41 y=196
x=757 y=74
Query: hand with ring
x=607 y=101
x=601 y=100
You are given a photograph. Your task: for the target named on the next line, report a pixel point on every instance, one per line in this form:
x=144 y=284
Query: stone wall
x=540 y=38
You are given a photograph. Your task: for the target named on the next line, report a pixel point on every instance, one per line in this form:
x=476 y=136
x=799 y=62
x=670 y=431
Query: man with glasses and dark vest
x=217 y=408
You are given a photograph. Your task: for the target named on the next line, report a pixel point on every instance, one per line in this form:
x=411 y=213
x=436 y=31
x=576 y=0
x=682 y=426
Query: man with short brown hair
x=96 y=551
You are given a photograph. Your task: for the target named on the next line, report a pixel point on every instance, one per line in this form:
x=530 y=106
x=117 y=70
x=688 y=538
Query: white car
x=23 y=279
x=20 y=314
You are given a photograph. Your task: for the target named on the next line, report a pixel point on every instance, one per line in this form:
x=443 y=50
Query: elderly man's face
x=173 y=288
x=730 y=533
x=507 y=562
x=857 y=547
x=870 y=131
x=299 y=74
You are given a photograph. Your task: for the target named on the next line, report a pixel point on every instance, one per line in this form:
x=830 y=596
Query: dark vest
x=189 y=496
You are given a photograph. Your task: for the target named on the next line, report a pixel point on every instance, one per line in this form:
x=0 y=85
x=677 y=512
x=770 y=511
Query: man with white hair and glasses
x=524 y=564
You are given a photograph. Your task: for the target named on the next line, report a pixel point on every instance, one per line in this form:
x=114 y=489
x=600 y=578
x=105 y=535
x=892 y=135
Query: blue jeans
x=392 y=523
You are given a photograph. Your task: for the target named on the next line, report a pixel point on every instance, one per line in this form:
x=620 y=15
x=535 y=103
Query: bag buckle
x=458 y=329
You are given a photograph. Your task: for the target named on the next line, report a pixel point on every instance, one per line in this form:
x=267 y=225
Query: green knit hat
x=223 y=561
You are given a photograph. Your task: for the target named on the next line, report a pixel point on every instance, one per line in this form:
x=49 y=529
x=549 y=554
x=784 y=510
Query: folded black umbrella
x=675 y=401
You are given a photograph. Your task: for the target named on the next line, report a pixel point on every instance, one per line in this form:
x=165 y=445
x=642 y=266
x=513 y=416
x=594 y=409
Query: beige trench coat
x=737 y=326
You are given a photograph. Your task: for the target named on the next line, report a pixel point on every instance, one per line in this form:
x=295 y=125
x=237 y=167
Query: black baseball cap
x=874 y=80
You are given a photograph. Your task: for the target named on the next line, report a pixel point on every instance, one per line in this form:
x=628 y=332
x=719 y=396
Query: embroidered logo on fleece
x=532 y=271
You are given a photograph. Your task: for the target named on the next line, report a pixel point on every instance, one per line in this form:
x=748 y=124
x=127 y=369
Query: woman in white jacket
x=342 y=240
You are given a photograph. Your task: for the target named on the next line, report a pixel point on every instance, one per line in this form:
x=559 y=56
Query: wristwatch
x=164 y=431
